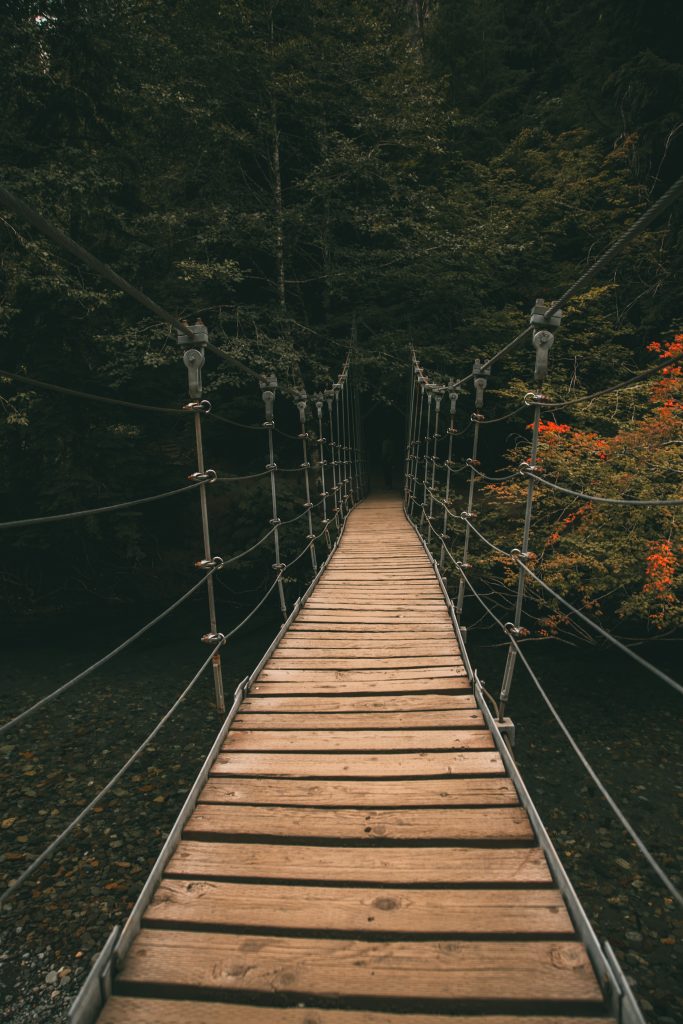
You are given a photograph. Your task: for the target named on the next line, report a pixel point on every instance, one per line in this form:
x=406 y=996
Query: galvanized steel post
x=438 y=396
x=194 y=358
x=542 y=340
x=480 y=380
x=302 y=406
x=268 y=389
x=453 y=393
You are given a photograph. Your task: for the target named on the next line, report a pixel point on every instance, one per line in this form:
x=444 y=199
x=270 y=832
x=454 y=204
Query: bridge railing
x=333 y=476
x=436 y=513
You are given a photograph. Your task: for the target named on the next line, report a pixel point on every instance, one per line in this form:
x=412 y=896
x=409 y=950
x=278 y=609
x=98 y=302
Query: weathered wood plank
x=433 y=764
x=261 y=702
x=388 y=629
x=339 y=662
x=383 y=720
x=434 y=824
x=303 y=685
x=335 y=741
x=131 y=1010
x=401 y=865
x=474 y=971
x=370 y=644
x=358 y=674
x=385 y=793
x=445 y=912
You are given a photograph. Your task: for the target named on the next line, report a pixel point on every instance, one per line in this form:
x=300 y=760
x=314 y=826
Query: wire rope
x=640 y=502
x=62 y=516
x=59 y=840
x=616 y=810
x=18 y=719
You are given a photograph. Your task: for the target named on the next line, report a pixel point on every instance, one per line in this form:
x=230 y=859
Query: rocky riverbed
x=51 y=767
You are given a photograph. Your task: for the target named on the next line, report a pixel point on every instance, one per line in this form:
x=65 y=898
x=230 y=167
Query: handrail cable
x=61 y=239
x=635 y=379
x=168 y=410
x=641 y=502
x=107 y=657
x=584 y=618
x=56 y=843
x=61 y=516
x=610 y=253
x=621 y=817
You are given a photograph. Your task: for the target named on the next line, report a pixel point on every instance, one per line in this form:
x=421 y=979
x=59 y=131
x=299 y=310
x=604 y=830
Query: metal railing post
x=302 y=406
x=194 y=358
x=330 y=399
x=324 y=494
x=430 y=394
x=416 y=445
x=438 y=396
x=268 y=389
x=409 y=431
x=542 y=340
x=453 y=393
x=479 y=380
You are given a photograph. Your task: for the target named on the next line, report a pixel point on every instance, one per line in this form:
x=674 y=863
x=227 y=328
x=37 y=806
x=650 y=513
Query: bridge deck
x=358 y=844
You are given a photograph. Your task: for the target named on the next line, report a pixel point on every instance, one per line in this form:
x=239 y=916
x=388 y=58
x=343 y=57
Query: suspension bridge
x=359 y=846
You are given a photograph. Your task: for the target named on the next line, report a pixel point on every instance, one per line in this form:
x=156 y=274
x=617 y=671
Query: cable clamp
x=305 y=465
x=271 y=466
x=477 y=417
x=268 y=424
x=531 y=398
x=324 y=494
x=516 y=631
x=275 y=522
x=279 y=566
x=310 y=536
x=203 y=406
x=208 y=477
x=209 y=563
x=308 y=504
x=472 y=462
x=522 y=556
x=526 y=467
x=468 y=515
x=213 y=638
x=463 y=565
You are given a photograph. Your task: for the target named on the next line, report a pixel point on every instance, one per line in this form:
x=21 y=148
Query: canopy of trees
x=279 y=167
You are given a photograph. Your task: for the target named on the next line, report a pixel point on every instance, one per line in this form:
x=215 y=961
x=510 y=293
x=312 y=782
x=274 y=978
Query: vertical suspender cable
x=330 y=399
x=480 y=380
x=418 y=435
x=409 y=433
x=321 y=455
x=438 y=396
x=430 y=394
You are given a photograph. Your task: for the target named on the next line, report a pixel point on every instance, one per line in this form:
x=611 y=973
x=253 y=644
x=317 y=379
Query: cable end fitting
x=209 y=563
x=213 y=638
x=477 y=417
x=473 y=463
x=208 y=477
x=203 y=406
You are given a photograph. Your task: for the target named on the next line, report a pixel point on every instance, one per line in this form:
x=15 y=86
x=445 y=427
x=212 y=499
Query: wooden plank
x=382 y=720
x=131 y=1010
x=445 y=912
x=388 y=629
x=433 y=824
x=337 y=663
x=336 y=741
x=381 y=865
x=350 y=684
x=433 y=764
x=463 y=972
x=358 y=674
x=367 y=645
x=260 y=701
x=386 y=793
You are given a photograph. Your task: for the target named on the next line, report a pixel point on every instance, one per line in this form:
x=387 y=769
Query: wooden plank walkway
x=358 y=855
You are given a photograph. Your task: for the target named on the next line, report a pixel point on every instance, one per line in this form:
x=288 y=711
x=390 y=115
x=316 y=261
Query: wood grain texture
x=404 y=866
x=130 y=1010
x=385 y=720
x=259 y=701
x=445 y=912
x=302 y=685
x=434 y=824
x=385 y=793
x=332 y=662
x=356 y=674
x=431 y=764
x=457 y=971
x=362 y=740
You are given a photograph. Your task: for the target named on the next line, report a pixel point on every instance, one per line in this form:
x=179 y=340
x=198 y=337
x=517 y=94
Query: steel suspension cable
x=635 y=379
x=641 y=502
x=18 y=719
x=621 y=817
x=56 y=843
x=62 y=516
